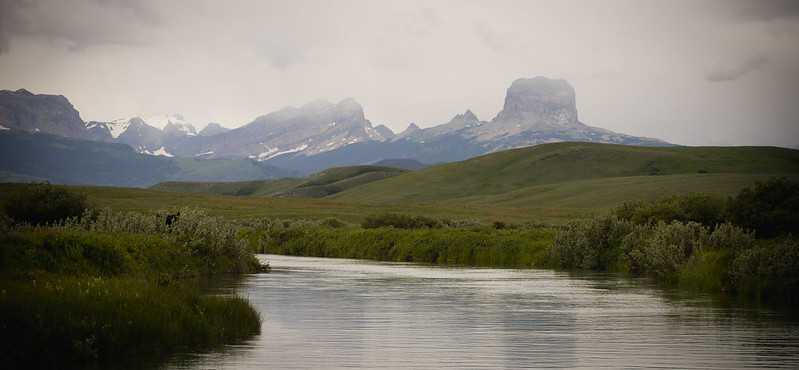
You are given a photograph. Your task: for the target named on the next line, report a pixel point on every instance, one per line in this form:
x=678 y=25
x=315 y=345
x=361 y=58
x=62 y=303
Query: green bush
x=728 y=236
x=44 y=203
x=704 y=208
x=671 y=245
x=591 y=243
x=771 y=208
x=769 y=271
x=401 y=221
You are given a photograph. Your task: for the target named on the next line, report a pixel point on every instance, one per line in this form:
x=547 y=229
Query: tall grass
x=56 y=320
x=474 y=246
x=106 y=284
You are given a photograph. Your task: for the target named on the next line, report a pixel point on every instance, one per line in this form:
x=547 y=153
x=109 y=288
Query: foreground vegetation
x=102 y=284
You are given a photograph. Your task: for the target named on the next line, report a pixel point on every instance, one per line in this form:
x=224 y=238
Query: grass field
x=559 y=175
x=530 y=176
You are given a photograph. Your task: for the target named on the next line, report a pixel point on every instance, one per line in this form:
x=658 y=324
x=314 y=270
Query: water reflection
x=326 y=313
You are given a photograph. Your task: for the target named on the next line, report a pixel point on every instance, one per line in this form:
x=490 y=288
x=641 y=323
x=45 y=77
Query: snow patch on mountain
x=274 y=152
x=117 y=127
x=162 y=152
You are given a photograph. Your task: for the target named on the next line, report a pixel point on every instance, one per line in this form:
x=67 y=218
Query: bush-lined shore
x=103 y=285
x=743 y=244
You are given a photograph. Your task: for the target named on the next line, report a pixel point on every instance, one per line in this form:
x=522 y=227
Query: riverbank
x=740 y=245
x=109 y=285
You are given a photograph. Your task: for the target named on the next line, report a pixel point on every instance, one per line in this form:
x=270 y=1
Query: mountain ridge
x=322 y=134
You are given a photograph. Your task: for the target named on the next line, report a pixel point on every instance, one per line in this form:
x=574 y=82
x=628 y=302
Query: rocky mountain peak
x=350 y=109
x=23 y=92
x=539 y=99
x=317 y=106
x=468 y=115
x=212 y=129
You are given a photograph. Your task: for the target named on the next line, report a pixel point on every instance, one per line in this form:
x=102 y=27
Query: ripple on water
x=335 y=313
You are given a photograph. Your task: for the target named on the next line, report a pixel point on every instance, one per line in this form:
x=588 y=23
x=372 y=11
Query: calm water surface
x=337 y=313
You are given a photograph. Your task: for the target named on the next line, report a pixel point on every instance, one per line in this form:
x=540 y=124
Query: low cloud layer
x=723 y=70
x=689 y=72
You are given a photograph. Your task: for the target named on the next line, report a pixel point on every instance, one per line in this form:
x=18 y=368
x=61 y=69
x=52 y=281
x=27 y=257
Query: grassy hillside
x=330 y=181
x=582 y=175
x=256 y=187
x=237 y=207
x=336 y=180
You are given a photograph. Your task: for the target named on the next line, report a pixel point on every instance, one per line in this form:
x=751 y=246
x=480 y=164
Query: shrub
x=400 y=221
x=770 y=271
x=44 y=203
x=671 y=245
x=663 y=249
x=730 y=237
x=590 y=243
x=704 y=208
x=771 y=208
x=464 y=223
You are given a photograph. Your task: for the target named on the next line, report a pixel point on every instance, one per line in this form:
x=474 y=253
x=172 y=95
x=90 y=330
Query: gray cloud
x=751 y=10
x=416 y=61
x=490 y=36
x=77 y=24
x=767 y=9
x=723 y=70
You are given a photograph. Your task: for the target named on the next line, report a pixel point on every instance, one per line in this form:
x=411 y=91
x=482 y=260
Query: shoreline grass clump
x=56 y=320
x=105 y=285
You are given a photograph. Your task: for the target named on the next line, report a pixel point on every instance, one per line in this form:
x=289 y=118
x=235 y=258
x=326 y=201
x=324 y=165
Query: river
x=338 y=313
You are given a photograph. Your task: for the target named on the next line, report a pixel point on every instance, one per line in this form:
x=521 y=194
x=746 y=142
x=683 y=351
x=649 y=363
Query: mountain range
x=321 y=134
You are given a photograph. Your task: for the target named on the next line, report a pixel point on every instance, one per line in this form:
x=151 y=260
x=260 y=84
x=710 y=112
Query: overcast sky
x=688 y=72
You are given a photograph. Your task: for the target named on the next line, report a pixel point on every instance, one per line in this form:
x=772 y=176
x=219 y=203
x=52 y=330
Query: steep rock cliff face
x=22 y=110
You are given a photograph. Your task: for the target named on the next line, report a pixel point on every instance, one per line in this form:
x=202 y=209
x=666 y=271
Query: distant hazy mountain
x=322 y=134
x=156 y=135
x=536 y=111
x=28 y=157
x=315 y=128
x=49 y=114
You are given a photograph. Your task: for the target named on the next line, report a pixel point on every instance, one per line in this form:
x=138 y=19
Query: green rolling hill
x=320 y=185
x=582 y=175
x=562 y=175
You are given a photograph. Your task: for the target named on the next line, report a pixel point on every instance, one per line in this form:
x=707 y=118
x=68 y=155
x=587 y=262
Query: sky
x=715 y=72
